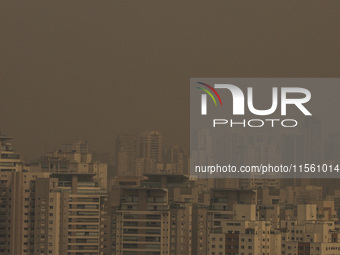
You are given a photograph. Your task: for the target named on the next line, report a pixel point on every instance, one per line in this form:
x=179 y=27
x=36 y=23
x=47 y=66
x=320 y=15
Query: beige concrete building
x=40 y=207
x=241 y=232
x=307 y=235
x=155 y=217
x=142 y=222
x=71 y=216
x=181 y=228
x=10 y=161
x=17 y=203
x=72 y=158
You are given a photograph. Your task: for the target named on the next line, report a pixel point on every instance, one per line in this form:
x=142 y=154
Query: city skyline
x=95 y=134
x=66 y=204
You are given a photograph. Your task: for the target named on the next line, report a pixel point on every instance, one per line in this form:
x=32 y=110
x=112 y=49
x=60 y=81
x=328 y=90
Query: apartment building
x=17 y=212
x=233 y=225
x=152 y=216
x=72 y=158
x=10 y=161
x=71 y=215
x=142 y=222
x=308 y=235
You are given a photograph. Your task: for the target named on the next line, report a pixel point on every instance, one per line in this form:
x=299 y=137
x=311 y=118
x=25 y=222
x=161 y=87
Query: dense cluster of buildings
x=65 y=203
x=136 y=155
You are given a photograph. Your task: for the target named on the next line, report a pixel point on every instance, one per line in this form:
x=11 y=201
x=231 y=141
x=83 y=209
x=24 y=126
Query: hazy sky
x=93 y=69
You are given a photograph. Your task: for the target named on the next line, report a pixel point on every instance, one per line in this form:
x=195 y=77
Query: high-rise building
x=126 y=155
x=152 y=217
x=57 y=207
x=177 y=158
x=149 y=146
x=72 y=158
x=142 y=221
x=71 y=215
x=149 y=151
x=202 y=148
x=233 y=226
x=10 y=161
x=17 y=212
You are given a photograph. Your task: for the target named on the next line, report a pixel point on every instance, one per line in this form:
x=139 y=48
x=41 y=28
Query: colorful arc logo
x=204 y=97
x=208 y=92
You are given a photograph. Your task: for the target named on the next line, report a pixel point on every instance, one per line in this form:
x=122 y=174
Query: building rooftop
x=233 y=189
x=72 y=174
x=169 y=177
x=144 y=188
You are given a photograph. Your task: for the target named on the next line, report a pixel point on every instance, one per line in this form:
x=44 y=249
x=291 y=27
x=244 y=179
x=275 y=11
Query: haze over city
x=95 y=129
x=71 y=71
